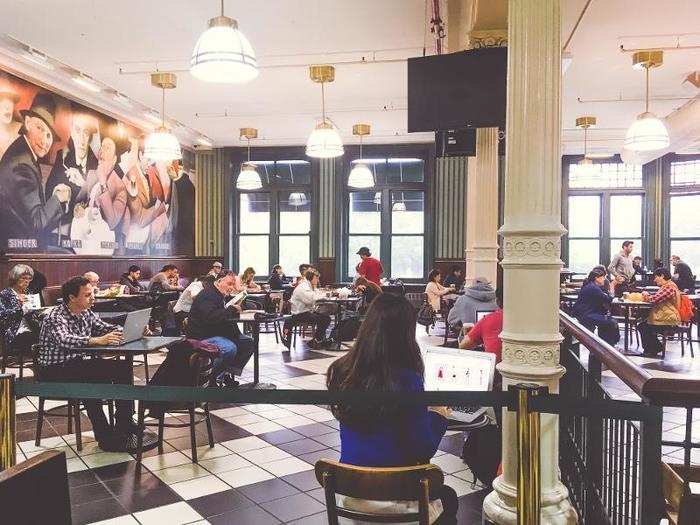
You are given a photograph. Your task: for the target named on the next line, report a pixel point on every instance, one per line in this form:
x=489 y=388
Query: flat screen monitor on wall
x=457 y=90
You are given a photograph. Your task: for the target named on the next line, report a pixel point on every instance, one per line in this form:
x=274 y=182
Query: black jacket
x=24 y=211
x=276 y=281
x=686 y=279
x=131 y=286
x=209 y=316
x=65 y=159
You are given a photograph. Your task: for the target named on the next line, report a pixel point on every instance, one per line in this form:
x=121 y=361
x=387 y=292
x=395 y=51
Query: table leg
x=338 y=324
x=627 y=327
x=256 y=353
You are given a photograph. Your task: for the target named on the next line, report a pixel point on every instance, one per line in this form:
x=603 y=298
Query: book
x=237 y=299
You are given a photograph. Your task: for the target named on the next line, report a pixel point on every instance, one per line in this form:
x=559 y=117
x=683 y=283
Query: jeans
x=233 y=355
x=96 y=371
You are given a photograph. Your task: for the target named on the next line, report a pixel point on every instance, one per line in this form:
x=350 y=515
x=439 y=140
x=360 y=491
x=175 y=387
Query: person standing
x=622 y=264
x=369 y=268
x=26 y=215
x=682 y=275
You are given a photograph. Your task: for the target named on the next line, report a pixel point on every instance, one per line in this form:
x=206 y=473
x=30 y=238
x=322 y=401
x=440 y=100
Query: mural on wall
x=73 y=180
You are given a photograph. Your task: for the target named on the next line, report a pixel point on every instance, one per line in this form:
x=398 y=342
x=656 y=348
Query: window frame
x=425 y=152
x=675 y=191
x=605 y=252
x=275 y=192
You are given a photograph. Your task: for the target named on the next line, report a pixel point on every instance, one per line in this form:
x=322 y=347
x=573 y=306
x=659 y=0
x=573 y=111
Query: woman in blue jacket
x=386 y=357
x=593 y=305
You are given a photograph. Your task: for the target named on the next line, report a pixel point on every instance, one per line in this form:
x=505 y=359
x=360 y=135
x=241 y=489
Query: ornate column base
x=500 y=505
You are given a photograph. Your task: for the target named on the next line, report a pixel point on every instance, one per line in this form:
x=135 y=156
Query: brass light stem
x=323 y=102
x=646 y=97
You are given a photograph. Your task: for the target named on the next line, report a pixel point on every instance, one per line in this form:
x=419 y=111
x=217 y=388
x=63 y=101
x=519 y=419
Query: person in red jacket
x=370 y=268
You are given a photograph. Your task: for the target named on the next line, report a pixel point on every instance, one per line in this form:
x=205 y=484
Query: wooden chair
x=36 y=490
x=682 y=505
x=683 y=332
x=10 y=359
x=415 y=483
x=202 y=368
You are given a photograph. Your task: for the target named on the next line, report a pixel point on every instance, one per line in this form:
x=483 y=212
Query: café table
x=340 y=304
x=627 y=307
x=247 y=317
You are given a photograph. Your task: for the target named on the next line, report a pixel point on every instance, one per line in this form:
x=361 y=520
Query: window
x=684 y=224
x=275 y=225
x=604 y=210
x=390 y=218
x=685 y=173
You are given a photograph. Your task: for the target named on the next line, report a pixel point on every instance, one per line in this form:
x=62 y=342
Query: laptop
x=480 y=314
x=135 y=324
x=449 y=369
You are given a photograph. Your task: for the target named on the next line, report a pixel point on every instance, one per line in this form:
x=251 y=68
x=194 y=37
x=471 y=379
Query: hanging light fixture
x=223 y=54
x=161 y=145
x=647 y=132
x=248 y=178
x=324 y=141
x=297 y=199
x=586 y=164
x=360 y=175
x=399 y=205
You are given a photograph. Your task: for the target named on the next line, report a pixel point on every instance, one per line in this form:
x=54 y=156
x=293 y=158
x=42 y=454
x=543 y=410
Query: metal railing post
x=8 y=450
x=528 y=431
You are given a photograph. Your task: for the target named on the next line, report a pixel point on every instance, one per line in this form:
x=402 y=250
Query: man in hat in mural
x=9 y=123
x=71 y=167
x=26 y=215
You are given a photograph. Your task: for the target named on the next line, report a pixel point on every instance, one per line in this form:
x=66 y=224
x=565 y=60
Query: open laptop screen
x=455 y=370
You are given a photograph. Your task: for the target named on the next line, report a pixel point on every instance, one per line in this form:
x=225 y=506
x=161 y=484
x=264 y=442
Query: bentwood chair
x=419 y=483
x=201 y=370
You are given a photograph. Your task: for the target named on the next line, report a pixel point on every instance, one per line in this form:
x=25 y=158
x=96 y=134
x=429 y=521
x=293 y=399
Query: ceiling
x=118 y=43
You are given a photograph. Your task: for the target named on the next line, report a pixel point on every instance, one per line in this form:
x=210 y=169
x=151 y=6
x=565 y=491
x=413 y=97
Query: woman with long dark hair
x=593 y=305
x=386 y=357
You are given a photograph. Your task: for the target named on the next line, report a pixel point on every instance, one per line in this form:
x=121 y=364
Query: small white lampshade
x=298 y=199
x=647 y=133
x=248 y=178
x=223 y=54
x=586 y=166
x=360 y=177
x=324 y=142
x=162 y=145
x=399 y=206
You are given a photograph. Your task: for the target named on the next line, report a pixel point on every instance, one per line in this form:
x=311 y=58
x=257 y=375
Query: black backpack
x=426 y=315
x=482 y=453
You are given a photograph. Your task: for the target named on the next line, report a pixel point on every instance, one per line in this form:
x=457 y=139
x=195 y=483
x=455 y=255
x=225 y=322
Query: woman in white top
x=434 y=290
x=248 y=280
x=303 y=302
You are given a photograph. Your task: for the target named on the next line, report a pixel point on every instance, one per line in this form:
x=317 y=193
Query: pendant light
x=586 y=164
x=297 y=199
x=324 y=141
x=248 y=178
x=223 y=54
x=161 y=145
x=399 y=205
x=648 y=132
x=360 y=176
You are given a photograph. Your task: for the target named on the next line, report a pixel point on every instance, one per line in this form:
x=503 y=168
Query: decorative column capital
x=532 y=249
x=478 y=39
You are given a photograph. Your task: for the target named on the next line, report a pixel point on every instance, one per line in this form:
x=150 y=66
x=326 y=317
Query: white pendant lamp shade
x=324 y=142
x=399 y=206
x=248 y=178
x=361 y=177
x=647 y=133
x=161 y=145
x=223 y=54
x=297 y=199
x=586 y=166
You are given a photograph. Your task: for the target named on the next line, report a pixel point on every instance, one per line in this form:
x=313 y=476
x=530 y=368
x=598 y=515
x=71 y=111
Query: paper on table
x=238 y=298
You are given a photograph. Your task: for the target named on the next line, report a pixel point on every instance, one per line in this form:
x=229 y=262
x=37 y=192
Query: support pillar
x=532 y=233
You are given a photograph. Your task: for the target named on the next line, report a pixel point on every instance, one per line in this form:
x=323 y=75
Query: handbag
x=482 y=453
x=426 y=315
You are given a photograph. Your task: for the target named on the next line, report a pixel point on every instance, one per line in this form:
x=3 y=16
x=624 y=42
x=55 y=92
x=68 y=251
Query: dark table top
x=141 y=346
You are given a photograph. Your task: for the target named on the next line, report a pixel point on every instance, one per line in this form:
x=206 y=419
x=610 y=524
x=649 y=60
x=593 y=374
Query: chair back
x=202 y=368
x=36 y=349
x=414 y=483
x=417 y=299
x=44 y=474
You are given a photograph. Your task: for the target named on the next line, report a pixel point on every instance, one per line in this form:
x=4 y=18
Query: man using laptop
x=487 y=330
x=212 y=321
x=66 y=335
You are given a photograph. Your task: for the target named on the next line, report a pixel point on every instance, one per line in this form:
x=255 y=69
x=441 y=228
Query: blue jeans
x=226 y=356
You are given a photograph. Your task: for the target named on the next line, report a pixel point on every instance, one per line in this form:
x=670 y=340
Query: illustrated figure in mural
x=9 y=124
x=162 y=178
x=183 y=229
x=101 y=213
x=143 y=209
x=72 y=165
x=26 y=215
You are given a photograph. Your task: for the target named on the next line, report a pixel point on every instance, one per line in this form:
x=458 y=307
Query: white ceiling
x=99 y=37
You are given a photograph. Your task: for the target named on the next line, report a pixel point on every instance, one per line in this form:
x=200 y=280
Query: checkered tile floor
x=259 y=472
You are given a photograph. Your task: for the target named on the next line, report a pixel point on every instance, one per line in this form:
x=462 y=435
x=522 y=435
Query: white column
x=532 y=241
x=472 y=204
x=484 y=211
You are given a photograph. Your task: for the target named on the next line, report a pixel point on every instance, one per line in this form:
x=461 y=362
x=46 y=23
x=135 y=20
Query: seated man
x=480 y=296
x=66 y=333
x=161 y=282
x=216 y=269
x=302 y=271
x=210 y=320
x=93 y=279
x=303 y=302
x=130 y=279
x=487 y=331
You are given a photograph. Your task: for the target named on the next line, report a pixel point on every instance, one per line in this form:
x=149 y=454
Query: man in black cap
x=26 y=215
x=370 y=268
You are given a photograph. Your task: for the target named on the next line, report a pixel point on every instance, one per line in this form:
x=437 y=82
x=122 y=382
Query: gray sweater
x=478 y=297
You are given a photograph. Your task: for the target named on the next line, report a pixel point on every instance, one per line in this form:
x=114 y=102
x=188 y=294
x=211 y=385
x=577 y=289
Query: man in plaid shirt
x=66 y=334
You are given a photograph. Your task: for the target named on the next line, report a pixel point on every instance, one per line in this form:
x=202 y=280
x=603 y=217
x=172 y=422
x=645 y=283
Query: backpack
x=686 y=309
x=426 y=315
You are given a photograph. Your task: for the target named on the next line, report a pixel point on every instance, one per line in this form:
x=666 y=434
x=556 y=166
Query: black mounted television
x=457 y=90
